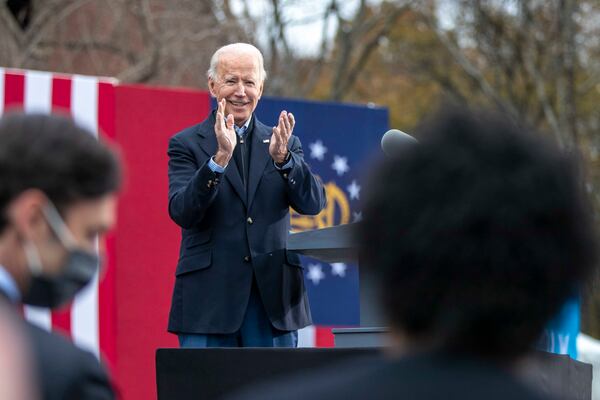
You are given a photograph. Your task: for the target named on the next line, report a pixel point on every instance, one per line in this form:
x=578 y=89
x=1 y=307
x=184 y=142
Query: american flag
x=87 y=99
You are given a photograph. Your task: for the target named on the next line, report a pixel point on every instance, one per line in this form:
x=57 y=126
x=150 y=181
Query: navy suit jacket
x=229 y=235
x=63 y=371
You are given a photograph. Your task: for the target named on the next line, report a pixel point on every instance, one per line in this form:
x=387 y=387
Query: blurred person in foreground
x=475 y=238
x=17 y=379
x=232 y=181
x=57 y=196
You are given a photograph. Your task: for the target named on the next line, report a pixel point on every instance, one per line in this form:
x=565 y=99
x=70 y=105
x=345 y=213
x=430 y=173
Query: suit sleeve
x=192 y=188
x=305 y=190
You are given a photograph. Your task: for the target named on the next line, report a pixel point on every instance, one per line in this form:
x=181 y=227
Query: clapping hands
x=278 y=148
x=225 y=134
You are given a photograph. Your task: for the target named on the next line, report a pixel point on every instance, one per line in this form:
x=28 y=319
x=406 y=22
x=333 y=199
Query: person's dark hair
x=53 y=154
x=477 y=235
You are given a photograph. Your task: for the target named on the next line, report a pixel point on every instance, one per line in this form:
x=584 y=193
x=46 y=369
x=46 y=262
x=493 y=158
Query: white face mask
x=78 y=270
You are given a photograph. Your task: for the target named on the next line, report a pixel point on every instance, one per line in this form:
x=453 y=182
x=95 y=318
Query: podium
x=338 y=244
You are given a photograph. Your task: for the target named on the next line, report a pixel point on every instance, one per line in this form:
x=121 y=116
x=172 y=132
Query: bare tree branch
x=280 y=27
x=367 y=49
x=471 y=70
x=9 y=24
x=48 y=17
x=147 y=64
x=567 y=58
x=317 y=68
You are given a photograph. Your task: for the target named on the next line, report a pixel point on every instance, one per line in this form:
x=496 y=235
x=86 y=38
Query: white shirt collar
x=242 y=129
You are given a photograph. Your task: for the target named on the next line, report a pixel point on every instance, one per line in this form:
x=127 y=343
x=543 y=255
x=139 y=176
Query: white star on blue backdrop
x=353 y=190
x=317 y=150
x=340 y=165
x=315 y=273
x=338 y=269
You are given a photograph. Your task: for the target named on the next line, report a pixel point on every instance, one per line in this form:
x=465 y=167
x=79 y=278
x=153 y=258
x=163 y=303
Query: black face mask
x=80 y=266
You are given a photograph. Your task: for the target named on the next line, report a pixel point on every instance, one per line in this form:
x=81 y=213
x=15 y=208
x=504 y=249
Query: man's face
x=238 y=82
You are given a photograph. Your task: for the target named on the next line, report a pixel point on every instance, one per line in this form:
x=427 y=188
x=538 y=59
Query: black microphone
x=394 y=141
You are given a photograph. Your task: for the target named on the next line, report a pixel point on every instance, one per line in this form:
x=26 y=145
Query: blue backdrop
x=338 y=141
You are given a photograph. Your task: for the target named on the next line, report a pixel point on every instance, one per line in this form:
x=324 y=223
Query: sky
x=305 y=18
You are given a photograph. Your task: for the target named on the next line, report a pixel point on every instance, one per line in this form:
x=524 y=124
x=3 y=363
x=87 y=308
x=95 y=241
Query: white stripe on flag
x=84 y=318
x=306 y=336
x=1 y=91
x=38 y=99
x=38 y=92
x=84 y=102
x=84 y=314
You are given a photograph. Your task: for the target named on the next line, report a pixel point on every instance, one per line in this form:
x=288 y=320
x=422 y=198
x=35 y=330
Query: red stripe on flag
x=107 y=292
x=14 y=91
x=323 y=337
x=61 y=320
x=61 y=95
x=61 y=103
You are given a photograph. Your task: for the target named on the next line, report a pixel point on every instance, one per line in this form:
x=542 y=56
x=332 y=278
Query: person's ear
x=260 y=89
x=211 y=87
x=26 y=215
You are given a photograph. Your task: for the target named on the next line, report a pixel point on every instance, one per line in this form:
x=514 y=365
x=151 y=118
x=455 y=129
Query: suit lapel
x=259 y=158
x=208 y=144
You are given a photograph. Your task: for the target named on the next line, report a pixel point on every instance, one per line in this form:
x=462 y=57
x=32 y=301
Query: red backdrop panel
x=107 y=305
x=146 y=245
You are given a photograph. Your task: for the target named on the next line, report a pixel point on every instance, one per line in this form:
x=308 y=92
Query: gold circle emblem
x=336 y=212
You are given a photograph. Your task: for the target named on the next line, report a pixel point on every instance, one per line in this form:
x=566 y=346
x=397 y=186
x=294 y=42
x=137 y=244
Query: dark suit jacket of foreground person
x=64 y=371
x=422 y=377
x=230 y=234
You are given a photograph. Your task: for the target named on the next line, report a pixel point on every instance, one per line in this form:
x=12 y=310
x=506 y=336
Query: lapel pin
x=266 y=140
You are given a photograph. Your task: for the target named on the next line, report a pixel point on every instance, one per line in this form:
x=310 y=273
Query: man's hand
x=226 y=136
x=281 y=135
